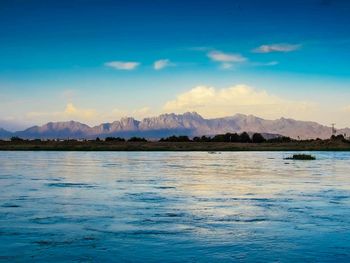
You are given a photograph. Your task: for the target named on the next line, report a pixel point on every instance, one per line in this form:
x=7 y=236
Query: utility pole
x=334 y=131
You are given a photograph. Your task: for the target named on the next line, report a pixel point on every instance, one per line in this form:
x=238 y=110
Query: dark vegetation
x=137 y=139
x=339 y=137
x=227 y=137
x=220 y=142
x=114 y=139
x=175 y=139
x=282 y=139
x=258 y=138
x=16 y=139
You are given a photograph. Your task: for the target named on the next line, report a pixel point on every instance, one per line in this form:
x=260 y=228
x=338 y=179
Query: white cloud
x=282 y=47
x=72 y=111
x=162 y=63
x=226 y=59
x=122 y=65
x=211 y=102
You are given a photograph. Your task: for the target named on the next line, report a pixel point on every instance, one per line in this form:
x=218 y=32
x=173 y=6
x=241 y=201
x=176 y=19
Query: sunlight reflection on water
x=174 y=207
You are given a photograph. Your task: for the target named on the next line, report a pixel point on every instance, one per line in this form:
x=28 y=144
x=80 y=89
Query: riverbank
x=316 y=145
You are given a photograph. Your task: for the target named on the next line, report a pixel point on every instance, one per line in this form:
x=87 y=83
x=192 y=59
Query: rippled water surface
x=174 y=207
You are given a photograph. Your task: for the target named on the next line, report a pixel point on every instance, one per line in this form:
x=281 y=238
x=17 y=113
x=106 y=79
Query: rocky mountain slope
x=191 y=124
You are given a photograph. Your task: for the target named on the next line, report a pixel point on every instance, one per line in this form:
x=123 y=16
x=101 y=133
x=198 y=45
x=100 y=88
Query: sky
x=97 y=61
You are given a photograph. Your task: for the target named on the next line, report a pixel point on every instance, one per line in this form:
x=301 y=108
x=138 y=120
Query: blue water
x=174 y=207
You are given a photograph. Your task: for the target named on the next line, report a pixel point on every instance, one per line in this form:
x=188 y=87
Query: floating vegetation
x=305 y=157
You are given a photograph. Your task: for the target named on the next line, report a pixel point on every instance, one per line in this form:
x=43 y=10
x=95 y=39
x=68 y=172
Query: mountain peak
x=239 y=115
x=65 y=124
x=193 y=114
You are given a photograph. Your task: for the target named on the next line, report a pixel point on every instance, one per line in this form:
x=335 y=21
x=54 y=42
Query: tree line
x=227 y=137
x=107 y=139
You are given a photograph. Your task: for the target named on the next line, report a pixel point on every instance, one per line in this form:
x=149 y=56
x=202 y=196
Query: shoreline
x=325 y=145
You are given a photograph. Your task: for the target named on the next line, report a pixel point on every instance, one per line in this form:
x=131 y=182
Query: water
x=174 y=207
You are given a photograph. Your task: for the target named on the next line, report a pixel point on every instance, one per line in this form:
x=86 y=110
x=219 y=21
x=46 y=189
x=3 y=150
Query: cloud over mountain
x=212 y=102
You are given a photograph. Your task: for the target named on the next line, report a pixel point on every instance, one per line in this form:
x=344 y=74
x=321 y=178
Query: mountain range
x=190 y=124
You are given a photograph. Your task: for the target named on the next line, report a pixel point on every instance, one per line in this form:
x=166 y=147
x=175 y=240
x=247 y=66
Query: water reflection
x=190 y=206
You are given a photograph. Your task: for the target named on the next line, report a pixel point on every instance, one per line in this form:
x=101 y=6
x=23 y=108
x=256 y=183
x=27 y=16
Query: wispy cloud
x=122 y=65
x=226 y=65
x=265 y=64
x=162 y=63
x=220 y=56
x=201 y=48
x=226 y=59
x=281 y=47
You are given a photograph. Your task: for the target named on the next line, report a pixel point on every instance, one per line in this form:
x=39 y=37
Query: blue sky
x=97 y=61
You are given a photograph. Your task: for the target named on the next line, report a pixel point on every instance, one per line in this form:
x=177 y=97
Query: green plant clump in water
x=302 y=157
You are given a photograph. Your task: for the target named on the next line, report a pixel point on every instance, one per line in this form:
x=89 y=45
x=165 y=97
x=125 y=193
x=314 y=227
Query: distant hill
x=70 y=129
x=190 y=124
x=4 y=134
